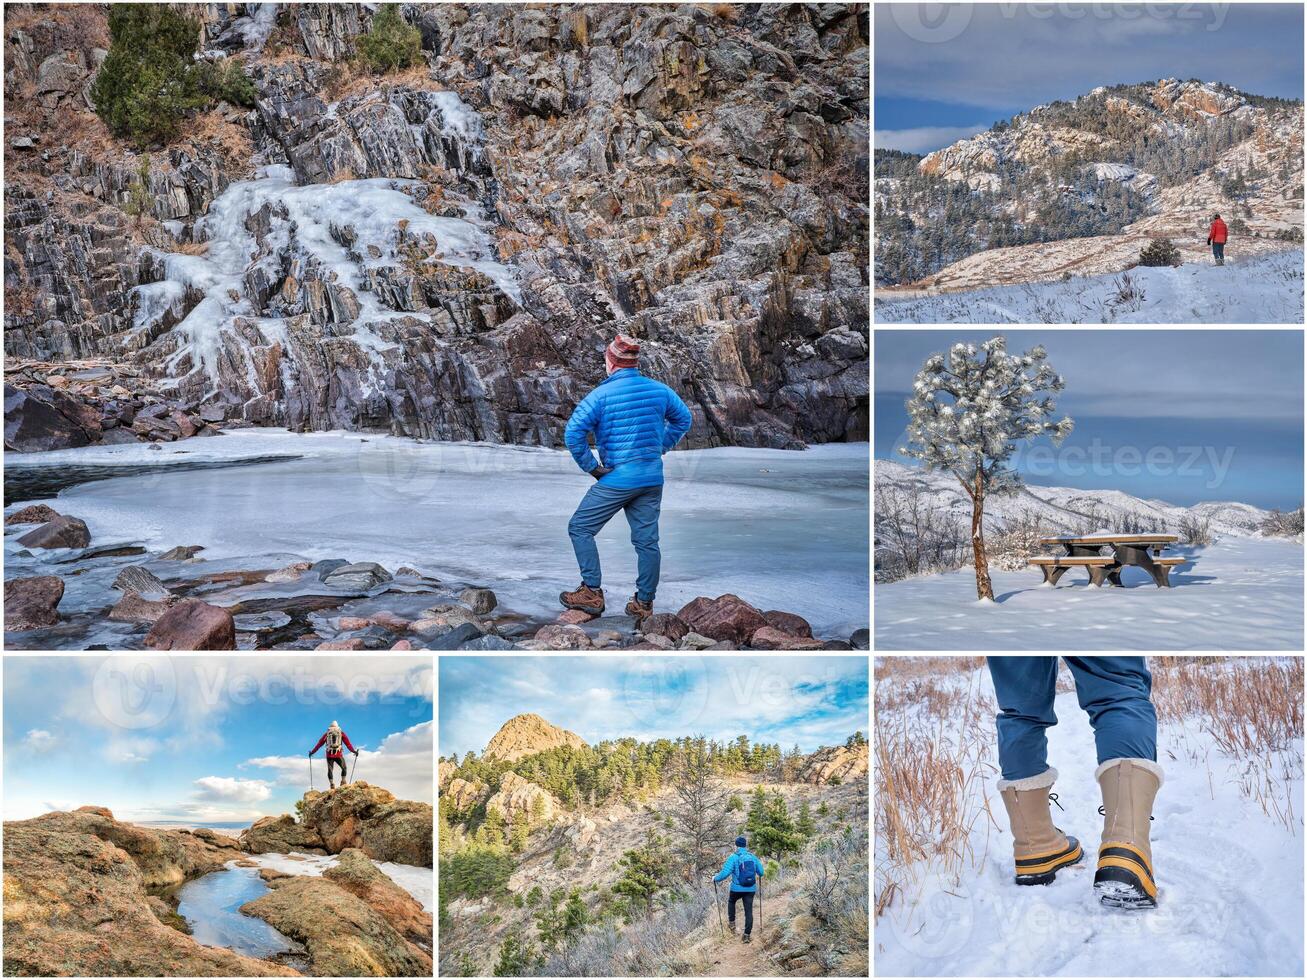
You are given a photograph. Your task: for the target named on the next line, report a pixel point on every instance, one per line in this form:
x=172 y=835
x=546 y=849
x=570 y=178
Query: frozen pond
x=784 y=530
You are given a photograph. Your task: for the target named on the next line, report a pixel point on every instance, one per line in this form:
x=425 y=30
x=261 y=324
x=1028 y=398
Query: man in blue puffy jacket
x=745 y=870
x=634 y=420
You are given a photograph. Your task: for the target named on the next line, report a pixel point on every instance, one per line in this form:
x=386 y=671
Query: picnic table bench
x=1141 y=550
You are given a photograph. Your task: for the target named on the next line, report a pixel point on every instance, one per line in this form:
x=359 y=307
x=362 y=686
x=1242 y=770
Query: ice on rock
x=307 y=223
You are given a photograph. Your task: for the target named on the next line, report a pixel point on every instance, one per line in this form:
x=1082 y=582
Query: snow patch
x=417 y=881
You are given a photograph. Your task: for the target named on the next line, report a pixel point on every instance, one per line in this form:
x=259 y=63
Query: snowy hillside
x=1264 y=289
x=1063 y=510
x=1229 y=873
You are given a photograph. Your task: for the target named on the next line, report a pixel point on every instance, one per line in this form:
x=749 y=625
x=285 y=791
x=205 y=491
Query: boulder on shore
x=61 y=532
x=31 y=603
x=193 y=624
x=771 y=638
x=35 y=514
x=728 y=617
x=356 y=874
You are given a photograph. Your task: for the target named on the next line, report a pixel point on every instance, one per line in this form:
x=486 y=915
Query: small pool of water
x=211 y=907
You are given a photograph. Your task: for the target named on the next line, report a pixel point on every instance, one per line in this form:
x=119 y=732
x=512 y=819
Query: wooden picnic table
x=1085 y=551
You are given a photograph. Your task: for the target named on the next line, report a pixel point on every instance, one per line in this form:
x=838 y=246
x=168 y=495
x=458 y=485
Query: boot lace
x=1102 y=814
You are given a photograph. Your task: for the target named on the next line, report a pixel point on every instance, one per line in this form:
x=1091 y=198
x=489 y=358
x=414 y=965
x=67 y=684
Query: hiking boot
x=1039 y=849
x=1125 y=878
x=639 y=609
x=585 y=599
x=747 y=939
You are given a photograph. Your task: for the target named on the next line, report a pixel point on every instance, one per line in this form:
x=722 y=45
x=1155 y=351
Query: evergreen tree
x=966 y=415
x=390 y=44
x=774 y=833
x=644 y=871
x=516 y=958
x=805 y=826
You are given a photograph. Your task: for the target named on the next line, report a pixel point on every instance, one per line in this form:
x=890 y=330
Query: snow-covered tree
x=968 y=410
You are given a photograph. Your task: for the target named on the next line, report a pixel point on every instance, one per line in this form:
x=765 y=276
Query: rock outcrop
x=372 y=820
x=526 y=734
x=344 y=934
x=519 y=799
x=76 y=902
x=840 y=761
x=31 y=603
x=464 y=794
x=359 y=876
x=281 y=835
x=694 y=176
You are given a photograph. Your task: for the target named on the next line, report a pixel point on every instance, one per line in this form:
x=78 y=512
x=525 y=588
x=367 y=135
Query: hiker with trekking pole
x=334 y=739
x=745 y=871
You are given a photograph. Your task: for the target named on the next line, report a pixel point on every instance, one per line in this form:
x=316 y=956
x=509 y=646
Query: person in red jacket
x=334 y=738
x=1216 y=236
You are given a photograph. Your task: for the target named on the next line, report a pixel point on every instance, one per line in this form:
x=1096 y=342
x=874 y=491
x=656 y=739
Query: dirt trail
x=732 y=958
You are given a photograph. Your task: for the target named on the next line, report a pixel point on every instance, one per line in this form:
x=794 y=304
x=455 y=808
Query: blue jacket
x=731 y=867
x=635 y=420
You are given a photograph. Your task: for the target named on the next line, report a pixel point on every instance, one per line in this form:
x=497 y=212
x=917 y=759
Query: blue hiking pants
x=1218 y=251
x=597 y=507
x=1114 y=690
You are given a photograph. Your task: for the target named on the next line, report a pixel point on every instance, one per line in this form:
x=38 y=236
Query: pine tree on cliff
x=643 y=872
x=968 y=411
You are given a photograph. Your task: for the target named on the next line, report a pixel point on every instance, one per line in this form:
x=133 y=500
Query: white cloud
x=228 y=789
x=401 y=764
x=38 y=740
x=923 y=139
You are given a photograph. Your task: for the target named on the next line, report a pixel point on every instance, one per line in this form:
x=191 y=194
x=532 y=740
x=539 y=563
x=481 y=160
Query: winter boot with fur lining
x=1039 y=848
x=1125 y=878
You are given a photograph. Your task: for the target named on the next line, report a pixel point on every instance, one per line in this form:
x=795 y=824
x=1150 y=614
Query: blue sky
x=808 y=701
x=206 y=740
x=1226 y=404
x=948 y=71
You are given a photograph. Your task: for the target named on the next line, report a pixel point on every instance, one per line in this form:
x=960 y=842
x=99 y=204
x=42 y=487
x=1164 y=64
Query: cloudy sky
x=207 y=740
x=1234 y=395
x=947 y=71
x=808 y=701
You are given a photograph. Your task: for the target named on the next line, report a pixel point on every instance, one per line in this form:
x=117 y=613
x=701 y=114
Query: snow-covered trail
x=1238 y=594
x=1230 y=880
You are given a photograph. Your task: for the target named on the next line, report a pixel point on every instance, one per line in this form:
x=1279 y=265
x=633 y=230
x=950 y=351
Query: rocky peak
x=527 y=734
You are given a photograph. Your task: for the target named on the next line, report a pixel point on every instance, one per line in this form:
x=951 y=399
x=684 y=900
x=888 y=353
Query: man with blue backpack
x=745 y=871
x=634 y=420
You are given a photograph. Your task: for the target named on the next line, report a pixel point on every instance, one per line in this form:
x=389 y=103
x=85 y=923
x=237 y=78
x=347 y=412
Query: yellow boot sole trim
x=1056 y=852
x=1140 y=856
x=1061 y=861
x=1134 y=868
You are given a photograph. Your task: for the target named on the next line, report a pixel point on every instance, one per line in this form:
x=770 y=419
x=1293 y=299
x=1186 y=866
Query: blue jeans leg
x=1218 y=250
x=594 y=511
x=1116 y=691
x=642 y=512
x=1025 y=687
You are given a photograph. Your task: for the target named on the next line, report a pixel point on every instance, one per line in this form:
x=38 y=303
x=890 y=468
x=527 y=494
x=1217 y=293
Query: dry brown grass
x=928 y=761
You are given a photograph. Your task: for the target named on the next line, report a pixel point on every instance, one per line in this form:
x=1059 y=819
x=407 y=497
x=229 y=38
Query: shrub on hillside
x=391 y=44
x=150 y=79
x=1160 y=251
x=1283 y=524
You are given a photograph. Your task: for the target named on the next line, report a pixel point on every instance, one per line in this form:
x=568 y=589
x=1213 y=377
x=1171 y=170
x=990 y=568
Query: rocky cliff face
x=519 y=799
x=76 y=900
x=527 y=734
x=837 y=762
x=444 y=252
x=372 y=820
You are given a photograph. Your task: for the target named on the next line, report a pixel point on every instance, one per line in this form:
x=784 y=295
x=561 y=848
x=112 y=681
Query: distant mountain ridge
x=1066 y=510
x=1141 y=161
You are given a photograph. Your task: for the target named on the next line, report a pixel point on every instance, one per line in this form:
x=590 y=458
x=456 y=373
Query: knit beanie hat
x=624 y=351
x=741 y=842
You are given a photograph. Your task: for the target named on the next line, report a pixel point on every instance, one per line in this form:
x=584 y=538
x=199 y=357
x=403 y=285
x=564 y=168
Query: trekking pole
x=717 y=900
x=760 y=906
x=354 y=768
x=310 y=772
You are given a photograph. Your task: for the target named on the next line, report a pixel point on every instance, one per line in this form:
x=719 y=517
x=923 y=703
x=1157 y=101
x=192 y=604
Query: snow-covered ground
x=1230 y=880
x=1264 y=289
x=782 y=529
x=418 y=882
x=1239 y=594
